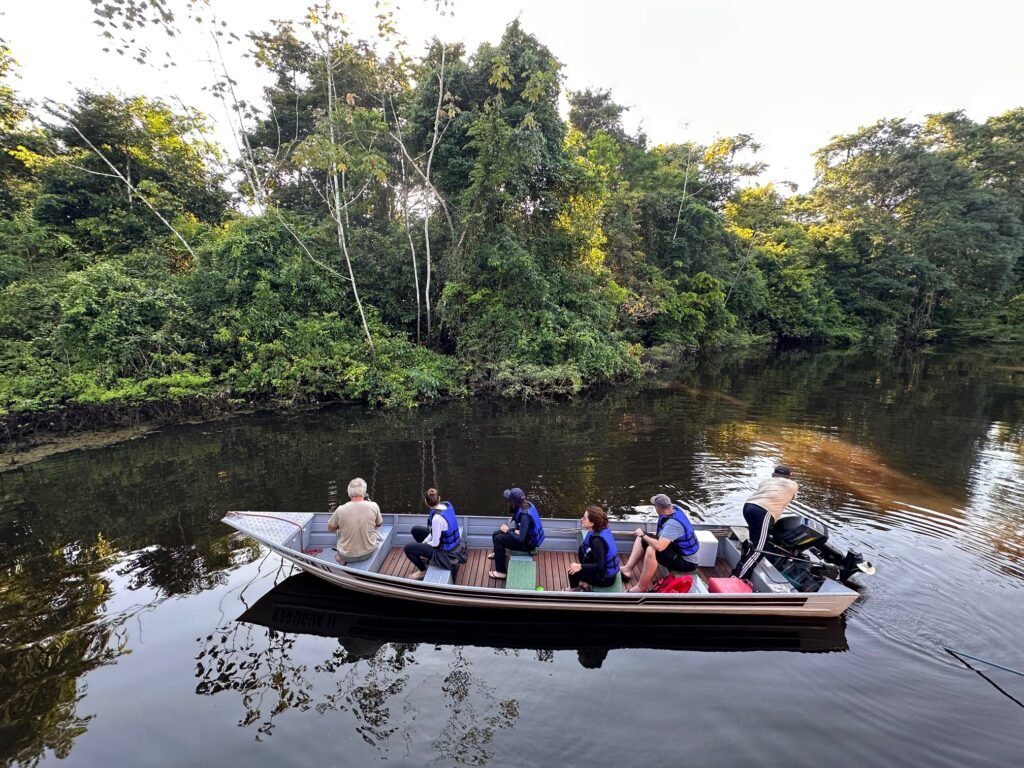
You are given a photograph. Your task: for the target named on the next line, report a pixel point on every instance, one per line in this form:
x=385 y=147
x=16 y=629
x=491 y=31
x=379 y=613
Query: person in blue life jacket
x=438 y=542
x=524 y=533
x=674 y=545
x=599 y=557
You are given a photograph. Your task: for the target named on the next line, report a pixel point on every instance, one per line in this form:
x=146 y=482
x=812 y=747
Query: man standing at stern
x=761 y=511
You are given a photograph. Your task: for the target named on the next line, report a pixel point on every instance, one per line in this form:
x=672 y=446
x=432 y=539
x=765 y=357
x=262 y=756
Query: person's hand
x=504 y=528
x=638 y=532
x=574 y=568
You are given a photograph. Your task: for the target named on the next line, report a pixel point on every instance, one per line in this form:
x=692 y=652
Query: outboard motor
x=798 y=534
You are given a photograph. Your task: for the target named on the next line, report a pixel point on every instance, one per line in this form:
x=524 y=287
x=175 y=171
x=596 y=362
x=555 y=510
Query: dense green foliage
x=399 y=229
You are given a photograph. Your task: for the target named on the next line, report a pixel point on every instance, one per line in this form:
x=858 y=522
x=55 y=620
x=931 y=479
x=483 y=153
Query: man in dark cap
x=523 y=535
x=761 y=511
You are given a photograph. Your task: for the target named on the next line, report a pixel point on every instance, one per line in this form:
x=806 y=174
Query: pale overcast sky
x=793 y=73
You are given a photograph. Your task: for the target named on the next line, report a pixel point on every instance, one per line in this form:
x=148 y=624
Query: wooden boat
x=303 y=539
x=304 y=604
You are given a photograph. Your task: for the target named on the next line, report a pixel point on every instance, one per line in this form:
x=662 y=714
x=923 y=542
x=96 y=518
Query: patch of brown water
x=857 y=470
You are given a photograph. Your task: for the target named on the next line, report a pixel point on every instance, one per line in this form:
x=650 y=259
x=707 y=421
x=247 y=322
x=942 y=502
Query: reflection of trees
x=996 y=488
x=367 y=679
x=467 y=733
x=257 y=665
x=52 y=635
x=187 y=568
x=367 y=691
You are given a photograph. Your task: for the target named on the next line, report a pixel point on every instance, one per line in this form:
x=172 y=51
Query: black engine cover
x=797 y=533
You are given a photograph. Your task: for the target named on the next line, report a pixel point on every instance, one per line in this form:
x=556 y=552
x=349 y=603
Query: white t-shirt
x=438 y=525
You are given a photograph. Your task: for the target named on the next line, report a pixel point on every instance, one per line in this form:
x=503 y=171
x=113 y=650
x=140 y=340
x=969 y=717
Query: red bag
x=673 y=584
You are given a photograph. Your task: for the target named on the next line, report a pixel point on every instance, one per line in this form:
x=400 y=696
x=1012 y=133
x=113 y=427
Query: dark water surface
x=120 y=589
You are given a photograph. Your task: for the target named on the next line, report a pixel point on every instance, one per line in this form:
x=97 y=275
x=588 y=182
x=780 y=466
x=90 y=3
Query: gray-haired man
x=356 y=524
x=674 y=545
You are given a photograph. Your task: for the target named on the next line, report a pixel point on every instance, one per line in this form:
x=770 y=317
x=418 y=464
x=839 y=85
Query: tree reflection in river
x=54 y=632
x=363 y=679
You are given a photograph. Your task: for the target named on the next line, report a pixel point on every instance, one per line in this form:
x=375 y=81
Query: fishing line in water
x=983 y=661
x=957 y=655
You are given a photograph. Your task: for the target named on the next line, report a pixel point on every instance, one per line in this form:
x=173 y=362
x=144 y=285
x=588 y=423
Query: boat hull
x=308 y=605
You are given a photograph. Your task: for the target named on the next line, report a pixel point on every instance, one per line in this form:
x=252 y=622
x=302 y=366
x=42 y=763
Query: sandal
x=497 y=575
x=490 y=556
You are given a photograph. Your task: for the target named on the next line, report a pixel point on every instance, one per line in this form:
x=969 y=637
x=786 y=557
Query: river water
x=120 y=589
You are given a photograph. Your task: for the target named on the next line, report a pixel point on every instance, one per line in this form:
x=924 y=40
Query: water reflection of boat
x=304 y=604
x=536 y=584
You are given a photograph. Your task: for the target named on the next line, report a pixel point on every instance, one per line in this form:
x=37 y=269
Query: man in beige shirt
x=761 y=511
x=356 y=524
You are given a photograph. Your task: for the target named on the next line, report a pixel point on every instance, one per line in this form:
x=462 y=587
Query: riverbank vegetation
x=398 y=228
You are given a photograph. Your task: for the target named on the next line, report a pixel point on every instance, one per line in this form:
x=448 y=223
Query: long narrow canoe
x=303 y=539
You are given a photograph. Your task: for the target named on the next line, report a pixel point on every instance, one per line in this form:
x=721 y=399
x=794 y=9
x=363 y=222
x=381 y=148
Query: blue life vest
x=536 y=537
x=450 y=539
x=687 y=543
x=611 y=558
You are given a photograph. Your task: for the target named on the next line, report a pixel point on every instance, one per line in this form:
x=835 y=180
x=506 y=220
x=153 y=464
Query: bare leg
x=650 y=567
x=634 y=557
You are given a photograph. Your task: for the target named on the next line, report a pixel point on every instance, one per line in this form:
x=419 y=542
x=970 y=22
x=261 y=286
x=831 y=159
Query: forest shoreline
x=27 y=437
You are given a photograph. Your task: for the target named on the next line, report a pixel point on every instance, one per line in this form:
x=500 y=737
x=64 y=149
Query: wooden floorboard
x=474 y=569
x=551 y=569
x=721 y=570
x=545 y=569
x=396 y=563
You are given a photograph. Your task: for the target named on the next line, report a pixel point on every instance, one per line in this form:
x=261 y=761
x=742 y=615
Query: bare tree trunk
x=686 y=181
x=412 y=247
x=430 y=160
x=384 y=97
x=339 y=208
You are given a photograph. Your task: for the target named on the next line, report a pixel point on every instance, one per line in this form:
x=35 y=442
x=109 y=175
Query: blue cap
x=515 y=495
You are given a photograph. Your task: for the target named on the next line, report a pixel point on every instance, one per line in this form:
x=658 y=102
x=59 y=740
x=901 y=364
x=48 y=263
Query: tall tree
x=122 y=169
x=926 y=236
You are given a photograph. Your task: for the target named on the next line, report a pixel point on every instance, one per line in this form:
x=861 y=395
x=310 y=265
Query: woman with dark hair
x=439 y=542
x=599 y=557
x=523 y=533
